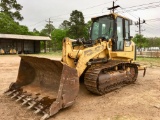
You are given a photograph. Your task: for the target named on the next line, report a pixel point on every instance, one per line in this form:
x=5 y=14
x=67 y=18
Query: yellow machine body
x=106 y=60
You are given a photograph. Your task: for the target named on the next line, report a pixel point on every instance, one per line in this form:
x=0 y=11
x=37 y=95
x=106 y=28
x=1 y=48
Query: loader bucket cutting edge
x=45 y=85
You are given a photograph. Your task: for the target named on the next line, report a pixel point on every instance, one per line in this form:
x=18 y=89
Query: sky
x=37 y=12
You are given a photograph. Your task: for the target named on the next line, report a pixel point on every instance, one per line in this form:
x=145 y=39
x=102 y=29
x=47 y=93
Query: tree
x=87 y=29
x=47 y=30
x=157 y=42
x=57 y=37
x=88 y=24
x=12 y=9
x=153 y=42
x=65 y=25
x=9 y=26
x=77 y=25
x=35 y=32
x=140 y=41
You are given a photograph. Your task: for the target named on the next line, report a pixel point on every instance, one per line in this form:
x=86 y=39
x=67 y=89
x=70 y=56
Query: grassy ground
x=150 y=62
x=56 y=54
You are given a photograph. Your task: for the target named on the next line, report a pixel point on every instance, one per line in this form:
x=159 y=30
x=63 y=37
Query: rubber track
x=91 y=76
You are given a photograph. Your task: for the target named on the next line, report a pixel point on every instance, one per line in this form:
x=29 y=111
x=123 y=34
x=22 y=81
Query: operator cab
x=113 y=27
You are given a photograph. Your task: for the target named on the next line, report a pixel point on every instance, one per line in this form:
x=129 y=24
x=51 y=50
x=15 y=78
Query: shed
x=22 y=43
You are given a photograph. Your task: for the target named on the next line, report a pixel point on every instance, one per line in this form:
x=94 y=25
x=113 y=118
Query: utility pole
x=0 y=6
x=139 y=29
x=49 y=23
x=139 y=25
x=49 y=32
x=113 y=7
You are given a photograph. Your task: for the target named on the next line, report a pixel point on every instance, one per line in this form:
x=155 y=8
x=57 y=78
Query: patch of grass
x=57 y=53
x=50 y=55
x=155 y=60
x=122 y=117
x=149 y=61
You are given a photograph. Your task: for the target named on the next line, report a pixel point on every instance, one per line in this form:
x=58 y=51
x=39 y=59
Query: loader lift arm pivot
x=83 y=55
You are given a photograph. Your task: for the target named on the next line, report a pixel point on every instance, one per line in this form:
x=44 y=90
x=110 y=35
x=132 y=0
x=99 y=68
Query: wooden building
x=21 y=43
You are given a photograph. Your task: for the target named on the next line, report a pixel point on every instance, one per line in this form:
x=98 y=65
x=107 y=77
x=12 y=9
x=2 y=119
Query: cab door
x=120 y=37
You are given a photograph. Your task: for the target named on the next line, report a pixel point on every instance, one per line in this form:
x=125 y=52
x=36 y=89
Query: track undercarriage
x=103 y=78
x=41 y=93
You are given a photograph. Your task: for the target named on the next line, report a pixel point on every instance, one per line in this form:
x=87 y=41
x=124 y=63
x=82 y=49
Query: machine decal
x=92 y=51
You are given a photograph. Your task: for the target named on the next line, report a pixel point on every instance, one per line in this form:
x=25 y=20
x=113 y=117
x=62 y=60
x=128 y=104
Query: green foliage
x=146 y=42
x=87 y=29
x=140 y=41
x=65 y=25
x=41 y=45
x=12 y=9
x=153 y=42
x=23 y=30
x=35 y=32
x=9 y=26
x=149 y=62
x=77 y=25
x=57 y=37
x=47 y=30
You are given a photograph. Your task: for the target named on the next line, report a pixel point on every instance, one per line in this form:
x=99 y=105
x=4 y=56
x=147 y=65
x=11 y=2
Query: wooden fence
x=149 y=54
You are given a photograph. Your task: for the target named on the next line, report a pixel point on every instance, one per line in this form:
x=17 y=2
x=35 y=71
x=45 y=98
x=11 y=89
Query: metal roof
x=23 y=37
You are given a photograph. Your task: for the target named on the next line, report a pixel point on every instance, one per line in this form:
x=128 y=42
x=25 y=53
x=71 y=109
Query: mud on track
x=139 y=101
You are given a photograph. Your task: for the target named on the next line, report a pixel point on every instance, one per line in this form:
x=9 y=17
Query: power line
x=95 y=6
x=139 y=25
x=49 y=23
x=140 y=8
x=153 y=27
x=148 y=7
x=130 y=13
x=152 y=20
x=83 y=9
x=143 y=4
x=149 y=30
x=69 y=13
x=37 y=23
x=103 y=4
x=113 y=7
x=123 y=9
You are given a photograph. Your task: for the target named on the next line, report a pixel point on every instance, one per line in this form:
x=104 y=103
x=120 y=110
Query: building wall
x=6 y=45
x=37 y=47
x=28 y=46
x=21 y=46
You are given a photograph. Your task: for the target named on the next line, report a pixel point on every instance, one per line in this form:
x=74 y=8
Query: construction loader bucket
x=44 y=85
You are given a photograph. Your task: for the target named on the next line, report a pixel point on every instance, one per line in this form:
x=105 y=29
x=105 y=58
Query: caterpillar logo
x=92 y=51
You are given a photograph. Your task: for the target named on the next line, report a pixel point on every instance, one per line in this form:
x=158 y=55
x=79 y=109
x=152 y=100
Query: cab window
x=126 y=30
x=120 y=33
x=102 y=27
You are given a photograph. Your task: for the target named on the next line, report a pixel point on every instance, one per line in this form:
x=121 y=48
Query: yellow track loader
x=106 y=61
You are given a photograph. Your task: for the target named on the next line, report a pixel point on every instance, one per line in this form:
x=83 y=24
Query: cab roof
x=114 y=14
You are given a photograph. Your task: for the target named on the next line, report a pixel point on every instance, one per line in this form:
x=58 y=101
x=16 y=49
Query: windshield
x=102 y=27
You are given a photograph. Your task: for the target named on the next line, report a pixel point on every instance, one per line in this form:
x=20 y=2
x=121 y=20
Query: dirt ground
x=139 y=101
